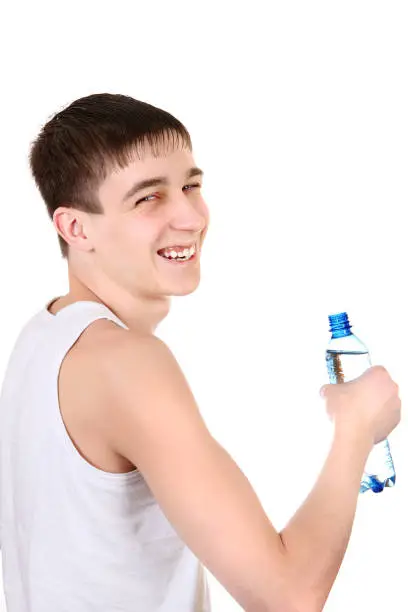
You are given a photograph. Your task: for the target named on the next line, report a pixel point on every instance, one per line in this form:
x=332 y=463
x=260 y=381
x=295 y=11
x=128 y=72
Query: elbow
x=294 y=602
x=306 y=603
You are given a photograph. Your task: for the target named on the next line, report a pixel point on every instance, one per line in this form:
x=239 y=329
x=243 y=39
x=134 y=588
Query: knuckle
x=380 y=368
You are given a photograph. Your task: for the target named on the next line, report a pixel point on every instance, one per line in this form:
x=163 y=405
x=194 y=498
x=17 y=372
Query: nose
x=188 y=214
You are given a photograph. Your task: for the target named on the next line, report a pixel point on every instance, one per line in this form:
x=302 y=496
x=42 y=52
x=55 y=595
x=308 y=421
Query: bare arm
x=316 y=538
x=152 y=419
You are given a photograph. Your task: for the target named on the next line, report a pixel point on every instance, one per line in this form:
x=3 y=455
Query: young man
x=114 y=494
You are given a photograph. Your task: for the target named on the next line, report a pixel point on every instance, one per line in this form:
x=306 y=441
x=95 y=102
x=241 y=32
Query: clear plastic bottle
x=347 y=358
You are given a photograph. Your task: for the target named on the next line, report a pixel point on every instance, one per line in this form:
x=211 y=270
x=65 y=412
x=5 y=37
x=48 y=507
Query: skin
x=113 y=257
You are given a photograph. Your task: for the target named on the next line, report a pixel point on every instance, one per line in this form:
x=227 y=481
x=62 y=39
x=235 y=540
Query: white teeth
x=185 y=254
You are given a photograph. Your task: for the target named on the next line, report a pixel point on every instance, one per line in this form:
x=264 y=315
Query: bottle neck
x=341 y=333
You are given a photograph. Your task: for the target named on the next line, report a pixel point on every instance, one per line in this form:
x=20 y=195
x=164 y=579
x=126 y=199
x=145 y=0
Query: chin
x=186 y=290
x=180 y=293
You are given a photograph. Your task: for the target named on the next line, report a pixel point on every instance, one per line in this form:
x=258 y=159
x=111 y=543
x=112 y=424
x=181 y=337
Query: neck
x=139 y=313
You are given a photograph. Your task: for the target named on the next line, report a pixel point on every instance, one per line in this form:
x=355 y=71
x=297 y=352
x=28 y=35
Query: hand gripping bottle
x=347 y=358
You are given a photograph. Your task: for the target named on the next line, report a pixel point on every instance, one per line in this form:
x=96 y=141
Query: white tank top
x=73 y=537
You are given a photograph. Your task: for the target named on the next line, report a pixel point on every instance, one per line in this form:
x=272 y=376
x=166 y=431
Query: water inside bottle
x=344 y=366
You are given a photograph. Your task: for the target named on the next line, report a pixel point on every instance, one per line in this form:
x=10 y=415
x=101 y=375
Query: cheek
x=139 y=235
x=115 y=242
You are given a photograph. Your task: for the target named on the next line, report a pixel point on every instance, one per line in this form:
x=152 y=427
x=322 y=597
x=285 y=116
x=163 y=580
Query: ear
x=70 y=224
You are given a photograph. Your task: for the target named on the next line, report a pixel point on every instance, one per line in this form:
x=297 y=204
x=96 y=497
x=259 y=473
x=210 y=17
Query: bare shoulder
x=105 y=344
x=146 y=396
x=120 y=342
x=141 y=366
x=118 y=365
x=111 y=359
x=111 y=362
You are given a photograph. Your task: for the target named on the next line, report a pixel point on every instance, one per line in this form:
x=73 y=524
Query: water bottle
x=347 y=358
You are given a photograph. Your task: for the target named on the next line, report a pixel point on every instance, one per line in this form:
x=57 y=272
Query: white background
x=298 y=114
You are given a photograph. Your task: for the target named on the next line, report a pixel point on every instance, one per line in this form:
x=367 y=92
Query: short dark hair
x=78 y=147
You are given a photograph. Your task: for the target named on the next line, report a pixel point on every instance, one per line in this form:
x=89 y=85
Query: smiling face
x=153 y=203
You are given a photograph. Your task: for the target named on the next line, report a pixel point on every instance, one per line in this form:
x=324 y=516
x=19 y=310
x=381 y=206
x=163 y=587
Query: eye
x=186 y=187
x=192 y=186
x=146 y=199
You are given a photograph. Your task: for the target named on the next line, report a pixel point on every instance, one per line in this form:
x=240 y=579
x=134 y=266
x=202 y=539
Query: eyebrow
x=156 y=181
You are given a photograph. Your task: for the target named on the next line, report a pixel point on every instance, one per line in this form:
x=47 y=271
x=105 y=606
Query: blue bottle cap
x=339 y=322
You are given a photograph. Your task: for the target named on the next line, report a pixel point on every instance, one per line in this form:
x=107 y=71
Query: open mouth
x=179 y=261
x=178 y=256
